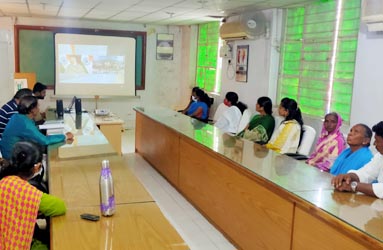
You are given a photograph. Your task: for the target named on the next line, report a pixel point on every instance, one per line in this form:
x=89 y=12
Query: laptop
x=69 y=108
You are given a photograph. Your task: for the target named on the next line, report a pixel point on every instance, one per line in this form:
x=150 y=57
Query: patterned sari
x=327 y=148
x=19 y=205
x=260 y=129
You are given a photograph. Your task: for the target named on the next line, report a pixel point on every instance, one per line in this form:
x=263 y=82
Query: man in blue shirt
x=10 y=108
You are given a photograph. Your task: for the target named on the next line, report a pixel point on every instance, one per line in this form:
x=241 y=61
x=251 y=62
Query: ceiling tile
x=192 y=11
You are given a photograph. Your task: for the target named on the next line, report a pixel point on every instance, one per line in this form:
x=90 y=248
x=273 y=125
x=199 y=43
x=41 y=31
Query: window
x=318 y=56
x=208 y=63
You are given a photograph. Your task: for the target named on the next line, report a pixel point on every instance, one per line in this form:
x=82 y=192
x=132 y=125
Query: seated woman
x=229 y=120
x=22 y=127
x=199 y=109
x=20 y=201
x=192 y=99
x=287 y=137
x=330 y=143
x=261 y=126
x=358 y=154
x=369 y=178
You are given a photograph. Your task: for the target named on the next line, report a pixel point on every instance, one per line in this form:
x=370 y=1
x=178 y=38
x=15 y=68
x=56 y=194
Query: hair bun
x=22 y=156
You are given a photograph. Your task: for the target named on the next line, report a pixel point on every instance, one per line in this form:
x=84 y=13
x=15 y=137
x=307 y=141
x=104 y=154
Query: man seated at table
x=369 y=178
x=10 y=108
x=39 y=90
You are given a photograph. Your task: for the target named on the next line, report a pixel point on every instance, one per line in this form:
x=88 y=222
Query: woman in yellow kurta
x=287 y=137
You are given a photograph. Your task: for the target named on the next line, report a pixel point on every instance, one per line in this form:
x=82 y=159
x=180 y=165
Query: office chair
x=219 y=111
x=307 y=141
x=245 y=119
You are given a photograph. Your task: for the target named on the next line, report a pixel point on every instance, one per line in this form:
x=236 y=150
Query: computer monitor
x=69 y=108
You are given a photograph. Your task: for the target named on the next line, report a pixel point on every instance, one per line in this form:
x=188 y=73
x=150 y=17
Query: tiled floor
x=198 y=233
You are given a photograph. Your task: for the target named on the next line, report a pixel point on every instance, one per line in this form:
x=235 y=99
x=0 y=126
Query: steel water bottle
x=107 y=203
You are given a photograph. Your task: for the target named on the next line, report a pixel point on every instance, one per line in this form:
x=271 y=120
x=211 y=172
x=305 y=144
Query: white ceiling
x=165 y=12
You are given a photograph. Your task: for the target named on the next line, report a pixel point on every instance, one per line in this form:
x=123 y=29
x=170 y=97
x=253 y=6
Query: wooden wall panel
x=159 y=146
x=314 y=234
x=251 y=215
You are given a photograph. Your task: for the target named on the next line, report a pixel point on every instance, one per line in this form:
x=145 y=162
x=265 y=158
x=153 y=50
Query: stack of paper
x=53 y=127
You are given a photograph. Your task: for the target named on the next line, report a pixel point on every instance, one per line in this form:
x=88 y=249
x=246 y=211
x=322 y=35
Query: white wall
x=261 y=77
x=6 y=59
x=166 y=81
x=367 y=99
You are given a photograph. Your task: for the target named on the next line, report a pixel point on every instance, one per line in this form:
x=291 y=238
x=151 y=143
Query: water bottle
x=107 y=203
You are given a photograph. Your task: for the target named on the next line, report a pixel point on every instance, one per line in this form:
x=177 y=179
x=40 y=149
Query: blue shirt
x=348 y=160
x=21 y=127
x=195 y=105
x=6 y=112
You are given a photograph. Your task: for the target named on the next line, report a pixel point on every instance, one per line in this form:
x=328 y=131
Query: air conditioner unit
x=250 y=26
x=234 y=31
x=372 y=14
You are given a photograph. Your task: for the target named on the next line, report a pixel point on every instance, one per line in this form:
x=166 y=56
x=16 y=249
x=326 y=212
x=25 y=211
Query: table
x=138 y=222
x=88 y=139
x=112 y=127
x=77 y=181
x=135 y=226
x=258 y=198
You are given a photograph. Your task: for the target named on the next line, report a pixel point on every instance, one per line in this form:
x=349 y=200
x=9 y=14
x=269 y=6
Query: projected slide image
x=92 y=65
x=72 y=64
x=108 y=64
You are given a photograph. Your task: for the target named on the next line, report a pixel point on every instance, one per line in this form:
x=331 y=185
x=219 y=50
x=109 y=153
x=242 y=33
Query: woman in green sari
x=261 y=126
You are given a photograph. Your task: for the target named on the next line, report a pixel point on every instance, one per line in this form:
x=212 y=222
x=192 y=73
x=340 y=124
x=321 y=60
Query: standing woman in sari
x=330 y=143
x=261 y=126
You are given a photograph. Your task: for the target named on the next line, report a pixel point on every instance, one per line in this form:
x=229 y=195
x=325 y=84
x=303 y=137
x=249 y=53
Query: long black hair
x=203 y=97
x=232 y=97
x=266 y=103
x=294 y=113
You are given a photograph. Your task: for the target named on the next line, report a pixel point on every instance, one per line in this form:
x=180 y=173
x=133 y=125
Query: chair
x=306 y=144
x=219 y=111
x=245 y=119
x=307 y=140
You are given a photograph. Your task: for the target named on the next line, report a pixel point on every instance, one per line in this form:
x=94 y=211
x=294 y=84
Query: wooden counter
x=258 y=198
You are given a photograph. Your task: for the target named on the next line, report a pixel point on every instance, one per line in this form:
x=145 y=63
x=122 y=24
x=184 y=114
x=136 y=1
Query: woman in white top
x=229 y=120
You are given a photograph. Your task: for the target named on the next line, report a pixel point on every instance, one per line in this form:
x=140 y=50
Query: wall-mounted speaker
x=77 y=106
x=59 y=108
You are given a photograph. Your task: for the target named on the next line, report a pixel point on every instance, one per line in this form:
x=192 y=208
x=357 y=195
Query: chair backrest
x=220 y=109
x=307 y=140
x=245 y=119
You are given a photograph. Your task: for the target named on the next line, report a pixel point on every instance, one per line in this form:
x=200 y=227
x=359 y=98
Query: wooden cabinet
x=251 y=215
x=159 y=146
